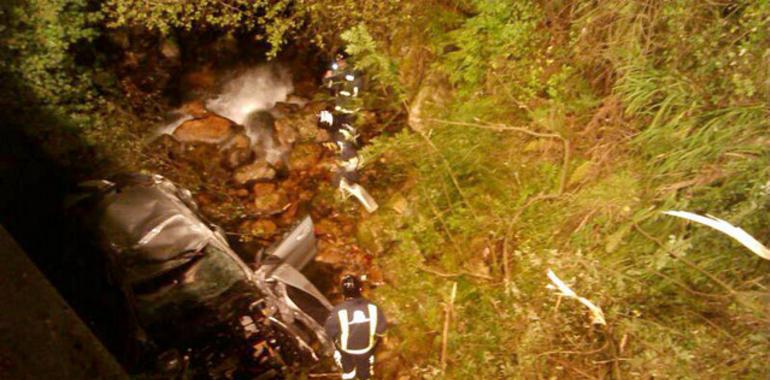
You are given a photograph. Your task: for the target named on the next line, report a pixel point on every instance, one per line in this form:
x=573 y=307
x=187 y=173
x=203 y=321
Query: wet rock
x=307 y=129
x=328 y=228
x=257 y=171
x=195 y=109
x=211 y=129
x=270 y=203
x=167 y=144
x=314 y=107
x=331 y=253
x=285 y=133
x=200 y=81
x=261 y=120
x=237 y=157
x=304 y=157
x=261 y=228
x=288 y=217
x=205 y=159
x=238 y=141
x=237 y=151
x=268 y=198
x=263 y=188
x=298 y=100
x=283 y=109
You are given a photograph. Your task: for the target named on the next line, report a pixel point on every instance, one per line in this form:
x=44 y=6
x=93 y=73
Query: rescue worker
x=356 y=326
x=344 y=84
x=340 y=79
x=338 y=129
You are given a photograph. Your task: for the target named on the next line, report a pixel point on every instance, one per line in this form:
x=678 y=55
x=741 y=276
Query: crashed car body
x=181 y=276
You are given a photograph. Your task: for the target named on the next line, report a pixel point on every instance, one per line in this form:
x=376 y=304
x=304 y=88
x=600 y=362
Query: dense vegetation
x=541 y=135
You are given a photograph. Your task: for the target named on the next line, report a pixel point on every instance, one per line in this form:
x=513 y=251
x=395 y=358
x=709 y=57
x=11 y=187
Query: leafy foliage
x=378 y=66
x=38 y=39
x=663 y=107
x=273 y=20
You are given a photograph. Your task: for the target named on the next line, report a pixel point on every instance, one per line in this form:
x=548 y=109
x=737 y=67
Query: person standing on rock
x=356 y=326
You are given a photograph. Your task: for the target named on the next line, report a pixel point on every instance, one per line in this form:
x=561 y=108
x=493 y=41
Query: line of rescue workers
x=356 y=324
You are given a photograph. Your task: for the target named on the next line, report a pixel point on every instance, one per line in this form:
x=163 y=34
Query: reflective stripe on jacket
x=358 y=317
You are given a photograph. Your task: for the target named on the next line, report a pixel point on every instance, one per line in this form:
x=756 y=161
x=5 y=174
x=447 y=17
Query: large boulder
x=210 y=129
x=257 y=171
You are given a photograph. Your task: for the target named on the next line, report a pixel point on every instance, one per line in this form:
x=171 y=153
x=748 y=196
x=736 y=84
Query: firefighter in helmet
x=344 y=84
x=356 y=326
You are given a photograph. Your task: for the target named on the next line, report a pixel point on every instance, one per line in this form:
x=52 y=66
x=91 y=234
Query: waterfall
x=256 y=89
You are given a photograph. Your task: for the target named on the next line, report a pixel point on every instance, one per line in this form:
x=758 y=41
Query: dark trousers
x=360 y=367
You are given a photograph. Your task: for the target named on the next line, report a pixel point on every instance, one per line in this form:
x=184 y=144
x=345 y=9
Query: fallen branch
x=568 y=366
x=582 y=353
x=506 y=265
x=452 y=275
x=496 y=127
x=449 y=309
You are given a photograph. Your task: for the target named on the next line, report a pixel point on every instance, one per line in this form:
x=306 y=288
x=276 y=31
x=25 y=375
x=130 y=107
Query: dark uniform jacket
x=357 y=334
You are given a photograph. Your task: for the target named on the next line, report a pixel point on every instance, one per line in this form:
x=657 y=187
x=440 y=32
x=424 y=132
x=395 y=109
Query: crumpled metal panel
x=152 y=230
x=292 y=277
x=299 y=246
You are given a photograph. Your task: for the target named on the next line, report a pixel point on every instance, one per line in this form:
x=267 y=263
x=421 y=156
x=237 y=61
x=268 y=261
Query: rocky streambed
x=248 y=145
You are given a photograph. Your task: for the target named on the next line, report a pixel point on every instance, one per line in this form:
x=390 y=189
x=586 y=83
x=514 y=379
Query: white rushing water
x=248 y=92
x=256 y=89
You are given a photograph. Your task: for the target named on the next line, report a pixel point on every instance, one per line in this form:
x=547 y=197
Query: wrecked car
x=194 y=301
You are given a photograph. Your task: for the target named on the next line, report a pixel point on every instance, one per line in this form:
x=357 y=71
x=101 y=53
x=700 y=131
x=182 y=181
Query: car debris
x=190 y=292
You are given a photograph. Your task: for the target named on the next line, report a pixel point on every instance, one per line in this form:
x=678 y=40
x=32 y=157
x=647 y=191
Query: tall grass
x=663 y=106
